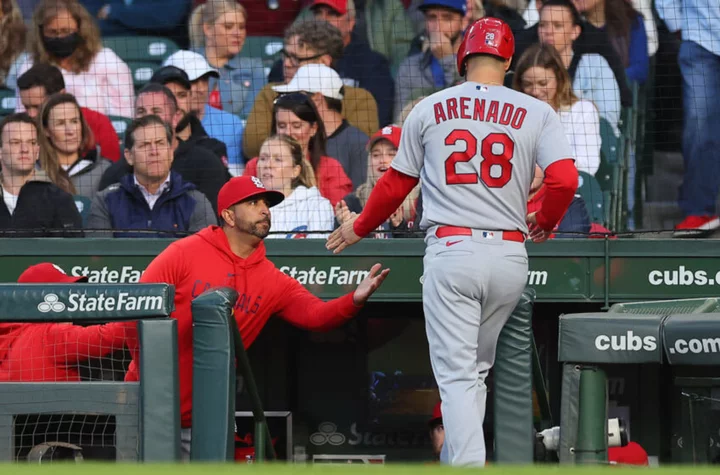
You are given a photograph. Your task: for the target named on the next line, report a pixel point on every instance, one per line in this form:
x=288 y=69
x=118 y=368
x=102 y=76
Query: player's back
x=480 y=145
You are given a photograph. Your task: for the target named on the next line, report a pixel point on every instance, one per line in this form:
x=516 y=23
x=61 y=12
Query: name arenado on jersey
x=334 y=276
x=122 y=302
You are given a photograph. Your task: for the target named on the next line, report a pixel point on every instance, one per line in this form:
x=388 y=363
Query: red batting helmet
x=486 y=36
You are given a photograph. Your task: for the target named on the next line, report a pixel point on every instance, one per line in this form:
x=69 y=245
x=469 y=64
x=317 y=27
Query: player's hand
x=369 y=285
x=537 y=234
x=344 y=236
x=342 y=212
x=440 y=45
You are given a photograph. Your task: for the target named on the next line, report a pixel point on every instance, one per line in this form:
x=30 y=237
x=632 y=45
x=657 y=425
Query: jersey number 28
x=490 y=159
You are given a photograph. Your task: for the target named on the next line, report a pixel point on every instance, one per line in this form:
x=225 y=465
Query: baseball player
x=474 y=148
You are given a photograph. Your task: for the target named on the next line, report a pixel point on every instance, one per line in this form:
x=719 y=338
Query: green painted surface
x=560 y=271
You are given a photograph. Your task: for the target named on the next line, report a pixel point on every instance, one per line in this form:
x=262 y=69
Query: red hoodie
x=332 y=180
x=34 y=352
x=204 y=260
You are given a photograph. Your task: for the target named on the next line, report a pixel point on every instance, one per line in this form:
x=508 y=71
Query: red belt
x=446 y=231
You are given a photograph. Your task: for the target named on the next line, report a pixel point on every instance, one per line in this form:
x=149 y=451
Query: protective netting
x=632 y=82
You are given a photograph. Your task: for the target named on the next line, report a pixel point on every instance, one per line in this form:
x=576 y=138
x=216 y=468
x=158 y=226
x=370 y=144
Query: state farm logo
x=327 y=434
x=52 y=303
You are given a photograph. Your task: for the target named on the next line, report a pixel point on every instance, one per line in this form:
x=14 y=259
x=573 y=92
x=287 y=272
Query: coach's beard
x=258 y=230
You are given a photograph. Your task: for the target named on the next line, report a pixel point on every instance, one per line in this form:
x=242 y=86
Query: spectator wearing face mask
x=63 y=34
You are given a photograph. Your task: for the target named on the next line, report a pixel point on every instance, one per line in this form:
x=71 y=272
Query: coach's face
x=251 y=216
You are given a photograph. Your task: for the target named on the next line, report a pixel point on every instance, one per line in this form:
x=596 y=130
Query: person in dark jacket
x=195 y=163
x=152 y=198
x=592 y=40
x=32 y=206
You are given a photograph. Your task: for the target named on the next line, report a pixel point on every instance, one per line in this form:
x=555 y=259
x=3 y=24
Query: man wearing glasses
x=308 y=42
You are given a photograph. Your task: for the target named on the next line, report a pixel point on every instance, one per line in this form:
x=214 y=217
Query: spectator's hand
x=342 y=212
x=536 y=233
x=440 y=45
x=397 y=217
x=104 y=12
x=369 y=285
x=344 y=236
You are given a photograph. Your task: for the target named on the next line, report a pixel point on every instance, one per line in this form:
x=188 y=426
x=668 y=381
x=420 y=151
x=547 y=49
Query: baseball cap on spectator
x=436 y=415
x=459 y=6
x=47 y=272
x=243 y=187
x=168 y=74
x=194 y=64
x=390 y=133
x=314 y=78
x=340 y=6
x=631 y=454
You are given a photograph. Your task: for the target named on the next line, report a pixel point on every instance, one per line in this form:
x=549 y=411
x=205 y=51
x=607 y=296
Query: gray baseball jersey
x=474 y=148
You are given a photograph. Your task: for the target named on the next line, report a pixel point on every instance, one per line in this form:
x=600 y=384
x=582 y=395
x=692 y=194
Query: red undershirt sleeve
x=561 y=182
x=386 y=197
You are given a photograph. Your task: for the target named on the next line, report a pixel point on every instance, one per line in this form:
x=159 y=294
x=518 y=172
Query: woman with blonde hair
x=541 y=74
x=382 y=148
x=65 y=35
x=304 y=213
x=12 y=36
x=218 y=29
x=65 y=143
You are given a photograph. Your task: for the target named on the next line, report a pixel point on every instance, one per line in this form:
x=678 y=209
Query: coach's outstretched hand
x=344 y=236
x=370 y=284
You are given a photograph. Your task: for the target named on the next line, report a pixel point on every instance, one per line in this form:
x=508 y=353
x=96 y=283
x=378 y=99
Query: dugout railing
x=146 y=414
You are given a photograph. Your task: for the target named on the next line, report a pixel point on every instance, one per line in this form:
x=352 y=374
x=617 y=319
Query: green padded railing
x=668 y=307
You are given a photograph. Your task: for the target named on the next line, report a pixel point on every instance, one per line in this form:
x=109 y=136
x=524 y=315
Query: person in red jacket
x=233 y=255
x=35 y=352
x=295 y=114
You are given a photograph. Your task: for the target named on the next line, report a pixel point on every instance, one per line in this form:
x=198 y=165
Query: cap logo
x=59 y=269
x=490 y=38
x=387 y=130
x=257 y=182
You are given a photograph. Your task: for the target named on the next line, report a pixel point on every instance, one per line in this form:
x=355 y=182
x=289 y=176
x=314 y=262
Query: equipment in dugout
x=49 y=452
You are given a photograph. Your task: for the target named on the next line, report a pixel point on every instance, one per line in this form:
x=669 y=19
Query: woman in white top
x=304 y=212
x=64 y=34
x=540 y=73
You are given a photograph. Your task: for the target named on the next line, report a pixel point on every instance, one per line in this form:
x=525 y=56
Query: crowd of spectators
x=322 y=122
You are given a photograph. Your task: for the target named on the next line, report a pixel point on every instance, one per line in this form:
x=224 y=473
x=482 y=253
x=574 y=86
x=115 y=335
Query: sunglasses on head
x=301 y=97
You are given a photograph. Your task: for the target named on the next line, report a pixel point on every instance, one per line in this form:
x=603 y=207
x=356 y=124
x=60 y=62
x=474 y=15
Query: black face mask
x=62 y=47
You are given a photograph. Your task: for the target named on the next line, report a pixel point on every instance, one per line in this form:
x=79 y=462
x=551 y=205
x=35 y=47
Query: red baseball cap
x=631 y=454
x=243 y=187
x=437 y=414
x=390 y=132
x=47 y=273
x=339 y=6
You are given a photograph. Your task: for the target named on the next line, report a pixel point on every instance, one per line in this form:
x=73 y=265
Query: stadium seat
x=8 y=102
x=120 y=124
x=590 y=191
x=610 y=148
x=265 y=48
x=141 y=48
x=142 y=71
x=83 y=205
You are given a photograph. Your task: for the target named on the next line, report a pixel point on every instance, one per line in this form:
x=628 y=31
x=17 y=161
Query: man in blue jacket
x=152 y=200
